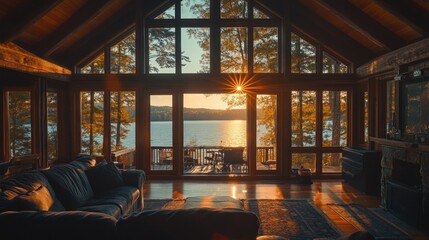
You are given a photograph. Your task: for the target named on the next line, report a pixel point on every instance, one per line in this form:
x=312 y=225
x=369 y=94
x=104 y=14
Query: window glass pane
x=19 y=122
x=195 y=50
x=215 y=133
x=92 y=120
x=366 y=116
x=161 y=132
x=334 y=118
x=257 y=14
x=162 y=50
x=303 y=118
x=331 y=162
x=96 y=66
x=390 y=106
x=266 y=135
x=333 y=65
x=233 y=9
x=195 y=9
x=303 y=55
x=52 y=116
x=233 y=54
x=170 y=13
x=122 y=56
x=265 y=50
x=304 y=160
x=123 y=127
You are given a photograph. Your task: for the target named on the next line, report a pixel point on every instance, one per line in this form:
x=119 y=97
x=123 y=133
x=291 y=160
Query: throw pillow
x=104 y=177
x=37 y=200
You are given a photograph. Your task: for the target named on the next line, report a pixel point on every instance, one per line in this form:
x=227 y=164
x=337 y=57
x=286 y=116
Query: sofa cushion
x=109 y=209
x=104 y=176
x=124 y=197
x=71 y=185
x=28 y=191
x=83 y=162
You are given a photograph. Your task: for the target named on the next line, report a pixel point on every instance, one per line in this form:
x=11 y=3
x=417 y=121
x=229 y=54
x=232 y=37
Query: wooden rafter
x=16 y=58
x=336 y=18
x=25 y=18
x=329 y=35
x=97 y=39
x=400 y=16
x=364 y=24
x=413 y=12
x=85 y=14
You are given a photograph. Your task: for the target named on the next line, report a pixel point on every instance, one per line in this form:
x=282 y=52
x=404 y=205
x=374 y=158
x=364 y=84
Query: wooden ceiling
x=67 y=31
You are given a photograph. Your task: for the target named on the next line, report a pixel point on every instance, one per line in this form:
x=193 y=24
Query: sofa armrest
x=57 y=225
x=135 y=178
x=196 y=223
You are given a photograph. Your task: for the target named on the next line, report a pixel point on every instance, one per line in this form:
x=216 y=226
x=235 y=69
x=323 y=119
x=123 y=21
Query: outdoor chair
x=232 y=158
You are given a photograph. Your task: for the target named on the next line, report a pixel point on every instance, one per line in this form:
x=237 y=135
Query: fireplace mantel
x=402 y=161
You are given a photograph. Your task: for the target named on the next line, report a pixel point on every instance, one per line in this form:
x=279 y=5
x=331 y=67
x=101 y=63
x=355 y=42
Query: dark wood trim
x=29 y=14
x=393 y=60
x=61 y=35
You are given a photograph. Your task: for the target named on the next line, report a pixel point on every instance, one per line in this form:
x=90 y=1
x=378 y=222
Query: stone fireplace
x=405 y=181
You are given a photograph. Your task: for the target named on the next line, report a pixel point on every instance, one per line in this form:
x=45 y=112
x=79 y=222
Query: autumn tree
x=122 y=55
x=303 y=55
x=96 y=66
x=19 y=122
x=92 y=122
x=122 y=109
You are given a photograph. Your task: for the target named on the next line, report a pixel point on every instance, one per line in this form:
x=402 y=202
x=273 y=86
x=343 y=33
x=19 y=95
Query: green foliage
x=19 y=122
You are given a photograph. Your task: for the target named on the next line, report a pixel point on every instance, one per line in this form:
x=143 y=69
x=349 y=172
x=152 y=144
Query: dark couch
x=81 y=201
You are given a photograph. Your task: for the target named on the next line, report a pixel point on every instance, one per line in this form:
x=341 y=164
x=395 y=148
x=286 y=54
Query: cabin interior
x=263 y=97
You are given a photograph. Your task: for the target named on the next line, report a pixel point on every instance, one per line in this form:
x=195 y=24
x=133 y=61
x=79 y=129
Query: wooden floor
x=321 y=193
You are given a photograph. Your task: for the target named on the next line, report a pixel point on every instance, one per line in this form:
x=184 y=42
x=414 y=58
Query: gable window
x=122 y=55
x=96 y=66
x=243 y=34
x=303 y=55
x=333 y=65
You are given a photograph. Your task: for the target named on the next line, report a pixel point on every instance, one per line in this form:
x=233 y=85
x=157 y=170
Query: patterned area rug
x=292 y=219
x=365 y=220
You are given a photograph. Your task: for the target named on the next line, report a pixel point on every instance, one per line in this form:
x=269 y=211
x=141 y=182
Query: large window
x=161 y=132
x=266 y=132
x=317 y=138
x=92 y=122
x=215 y=134
x=303 y=55
x=19 y=127
x=122 y=55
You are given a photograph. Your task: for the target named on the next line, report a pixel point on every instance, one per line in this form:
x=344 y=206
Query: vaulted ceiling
x=66 y=31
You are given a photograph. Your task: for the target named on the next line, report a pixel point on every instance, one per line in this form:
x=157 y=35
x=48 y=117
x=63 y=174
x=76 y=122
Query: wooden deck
x=321 y=193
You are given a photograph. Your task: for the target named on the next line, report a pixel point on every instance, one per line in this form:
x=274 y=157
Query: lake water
x=230 y=133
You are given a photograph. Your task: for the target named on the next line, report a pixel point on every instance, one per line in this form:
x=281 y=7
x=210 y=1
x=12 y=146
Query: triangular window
x=303 y=55
x=195 y=9
x=233 y=9
x=170 y=13
x=96 y=66
x=123 y=55
x=333 y=65
x=258 y=14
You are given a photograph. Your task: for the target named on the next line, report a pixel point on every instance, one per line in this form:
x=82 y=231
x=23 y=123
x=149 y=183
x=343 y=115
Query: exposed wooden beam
x=393 y=60
x=97 y=39
x=25 y=17
x=85 y=14
x=414 y=12
x=329 y=36
x=16 y=58
x=322 y=9
x=400 y=14
x=366 y=25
